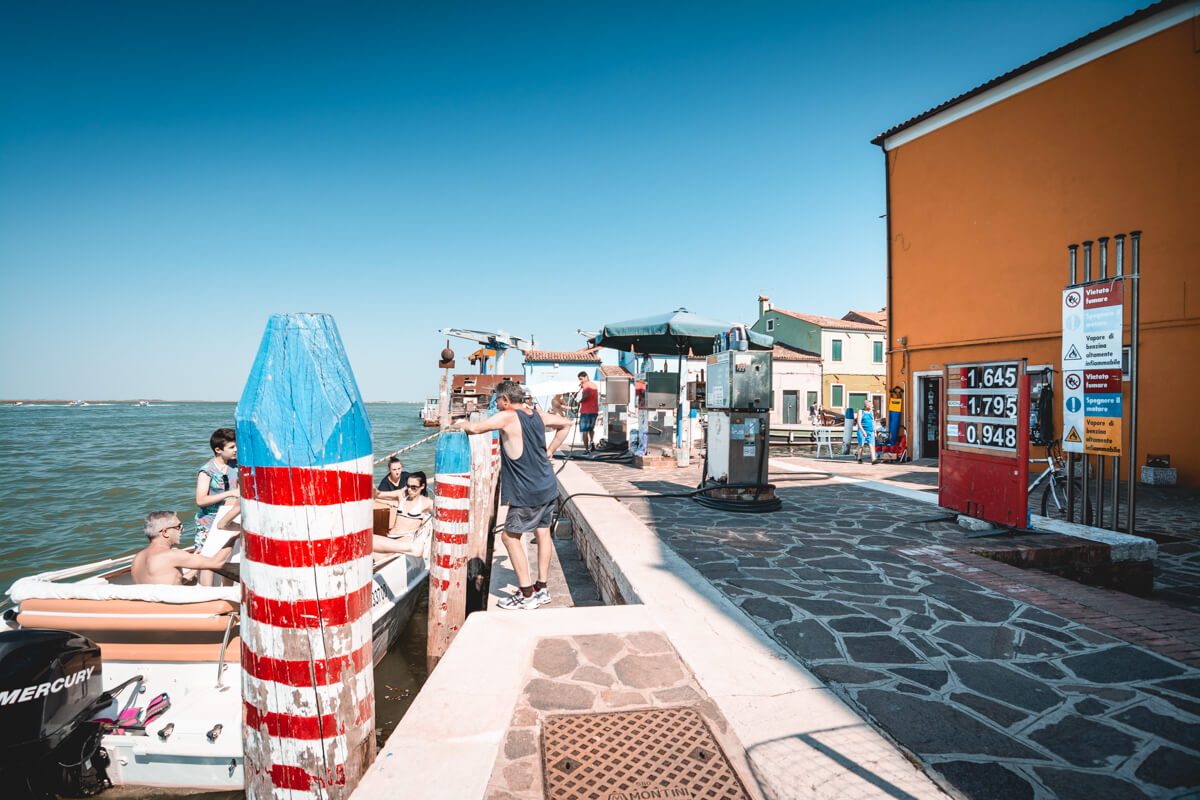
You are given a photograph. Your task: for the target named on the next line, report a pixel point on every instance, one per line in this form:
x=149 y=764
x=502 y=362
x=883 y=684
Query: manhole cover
x=635 y=755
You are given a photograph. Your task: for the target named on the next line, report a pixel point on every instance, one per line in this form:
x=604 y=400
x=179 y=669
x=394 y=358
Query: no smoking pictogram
x=1073 y=381
x=1072 y=299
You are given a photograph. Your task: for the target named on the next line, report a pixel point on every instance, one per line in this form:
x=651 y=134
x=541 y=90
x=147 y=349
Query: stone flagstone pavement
x=963 y=669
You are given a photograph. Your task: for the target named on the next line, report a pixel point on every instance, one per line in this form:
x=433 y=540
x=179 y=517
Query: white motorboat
x=179 y=640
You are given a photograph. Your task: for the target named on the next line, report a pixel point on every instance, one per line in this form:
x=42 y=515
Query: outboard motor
x=50 y=688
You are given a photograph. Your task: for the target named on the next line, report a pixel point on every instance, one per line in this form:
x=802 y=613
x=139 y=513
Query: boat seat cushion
x=31 y=588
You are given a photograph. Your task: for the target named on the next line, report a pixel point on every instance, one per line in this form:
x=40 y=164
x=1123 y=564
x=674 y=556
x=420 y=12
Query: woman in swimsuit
x=412 y=514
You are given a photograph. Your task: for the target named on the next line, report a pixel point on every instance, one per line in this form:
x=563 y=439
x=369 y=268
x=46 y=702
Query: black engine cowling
x=50 y=687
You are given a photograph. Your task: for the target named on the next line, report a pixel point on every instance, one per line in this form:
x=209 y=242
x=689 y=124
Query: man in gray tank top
x=527 y=484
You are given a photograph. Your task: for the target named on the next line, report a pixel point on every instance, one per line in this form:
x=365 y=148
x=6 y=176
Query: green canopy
x=672 y=334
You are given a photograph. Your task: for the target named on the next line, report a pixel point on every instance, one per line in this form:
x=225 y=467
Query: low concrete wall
x=614 y=588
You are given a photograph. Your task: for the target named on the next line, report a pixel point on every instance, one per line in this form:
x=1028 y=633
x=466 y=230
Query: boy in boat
x=161 y=563
x=217 y=481
x=527 y=486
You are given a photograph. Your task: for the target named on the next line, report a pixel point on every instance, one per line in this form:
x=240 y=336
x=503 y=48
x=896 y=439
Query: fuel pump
x=616 y=411
x=739 y=405
x=656 y=395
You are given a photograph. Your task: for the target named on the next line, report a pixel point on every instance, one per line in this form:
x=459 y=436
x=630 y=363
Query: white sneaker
x=516 y=600
x=543 y=596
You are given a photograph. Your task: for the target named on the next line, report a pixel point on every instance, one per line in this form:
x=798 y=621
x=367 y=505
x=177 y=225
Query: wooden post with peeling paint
x=444 y=401
x=482 y=488
x=448 y=561
x=304 y=443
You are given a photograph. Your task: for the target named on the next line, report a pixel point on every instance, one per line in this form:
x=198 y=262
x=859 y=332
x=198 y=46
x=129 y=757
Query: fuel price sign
x=981 y=406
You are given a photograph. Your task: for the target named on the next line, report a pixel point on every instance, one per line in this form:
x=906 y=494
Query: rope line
x=379 y=461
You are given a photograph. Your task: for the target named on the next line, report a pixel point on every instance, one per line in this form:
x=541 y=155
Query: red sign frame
x=986 y=483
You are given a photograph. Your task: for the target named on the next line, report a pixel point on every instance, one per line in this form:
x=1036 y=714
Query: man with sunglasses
x=161 y=563
x=527 y=485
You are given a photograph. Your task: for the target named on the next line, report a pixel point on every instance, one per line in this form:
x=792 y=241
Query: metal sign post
x=1092 y=336
x=1135 y=275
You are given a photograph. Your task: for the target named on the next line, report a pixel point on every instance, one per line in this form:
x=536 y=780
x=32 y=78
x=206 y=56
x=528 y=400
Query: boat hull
x=203 y=748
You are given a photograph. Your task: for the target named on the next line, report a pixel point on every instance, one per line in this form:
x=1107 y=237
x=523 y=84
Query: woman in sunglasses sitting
x=408 y=533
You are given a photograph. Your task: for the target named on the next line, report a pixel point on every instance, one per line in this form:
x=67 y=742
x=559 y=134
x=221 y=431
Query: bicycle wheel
x=1054 y=502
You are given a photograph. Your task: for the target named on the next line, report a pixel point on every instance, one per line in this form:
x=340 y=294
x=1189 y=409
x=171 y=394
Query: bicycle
x=1054 y=495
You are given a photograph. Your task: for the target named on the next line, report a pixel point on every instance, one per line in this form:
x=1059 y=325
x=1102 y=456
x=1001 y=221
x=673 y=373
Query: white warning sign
x=1092 y=318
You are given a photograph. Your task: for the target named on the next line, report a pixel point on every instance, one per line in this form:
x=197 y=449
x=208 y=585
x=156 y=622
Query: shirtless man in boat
x=161 y=563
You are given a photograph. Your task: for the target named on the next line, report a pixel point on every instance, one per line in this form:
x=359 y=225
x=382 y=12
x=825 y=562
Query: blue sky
x=171 y=174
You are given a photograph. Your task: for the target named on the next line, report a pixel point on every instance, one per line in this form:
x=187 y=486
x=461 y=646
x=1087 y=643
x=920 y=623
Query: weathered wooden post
x=304 y=443
x=481 y=511
x=448 y=562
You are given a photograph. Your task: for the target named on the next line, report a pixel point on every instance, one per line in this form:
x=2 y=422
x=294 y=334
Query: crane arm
x=498 y=339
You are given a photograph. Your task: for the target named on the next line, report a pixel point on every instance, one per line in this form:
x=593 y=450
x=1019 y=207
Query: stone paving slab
x=1167 y=630
x=599 y=673
x=1168 y=515
x=801 y=739
x=470 y=730
x=996 y=695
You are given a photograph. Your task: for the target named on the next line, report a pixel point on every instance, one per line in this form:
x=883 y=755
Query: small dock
x=854 y=644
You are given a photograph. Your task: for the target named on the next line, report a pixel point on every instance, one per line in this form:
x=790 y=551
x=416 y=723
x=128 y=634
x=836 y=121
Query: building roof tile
x=784 y=353
x=830 y=322
x=871 y=317
x=585 y=356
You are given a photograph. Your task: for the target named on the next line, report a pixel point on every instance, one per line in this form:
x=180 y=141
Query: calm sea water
x=76 y=482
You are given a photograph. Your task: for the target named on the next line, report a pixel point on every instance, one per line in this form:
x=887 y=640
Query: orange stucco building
x=986 y=192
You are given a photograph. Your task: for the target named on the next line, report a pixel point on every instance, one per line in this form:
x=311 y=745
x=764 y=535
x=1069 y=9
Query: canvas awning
x=678 y=333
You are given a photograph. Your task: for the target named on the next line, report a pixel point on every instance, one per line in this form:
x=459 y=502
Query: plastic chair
x=824 y=440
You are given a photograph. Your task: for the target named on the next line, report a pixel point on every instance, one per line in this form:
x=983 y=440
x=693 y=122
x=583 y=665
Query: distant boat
x=77 y=403
x=430 y=415
x=142 y=404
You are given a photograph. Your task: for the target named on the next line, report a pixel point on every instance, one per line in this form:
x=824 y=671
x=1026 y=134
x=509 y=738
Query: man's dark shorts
x=587 y=422
x=523 y=519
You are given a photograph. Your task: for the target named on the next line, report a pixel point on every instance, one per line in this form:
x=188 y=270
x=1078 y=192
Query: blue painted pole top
x=301 y=406
x=453 y=454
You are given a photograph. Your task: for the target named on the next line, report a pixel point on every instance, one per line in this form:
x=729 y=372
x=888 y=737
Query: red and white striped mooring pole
x=304 y=443
x=451 y=523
